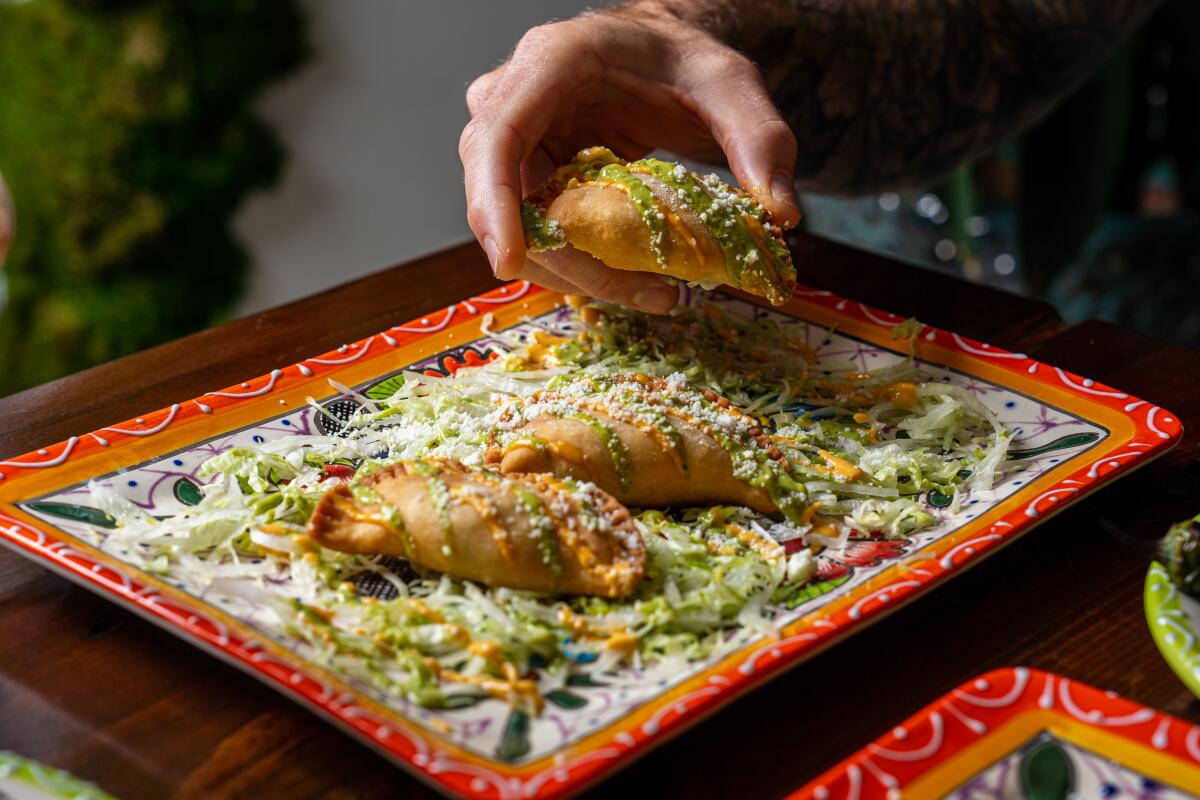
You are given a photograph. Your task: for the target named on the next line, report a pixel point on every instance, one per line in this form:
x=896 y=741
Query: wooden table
x=93 y=689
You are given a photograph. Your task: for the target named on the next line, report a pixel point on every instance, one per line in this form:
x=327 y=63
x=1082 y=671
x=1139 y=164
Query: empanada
x=533 y=532
x=648 y=441
x=655 y=216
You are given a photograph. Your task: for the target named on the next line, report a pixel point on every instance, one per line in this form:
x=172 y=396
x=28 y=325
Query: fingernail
x=493 y=251
x=783 y=188
x=658 y=300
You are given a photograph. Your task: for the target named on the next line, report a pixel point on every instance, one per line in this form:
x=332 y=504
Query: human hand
x=634 y=79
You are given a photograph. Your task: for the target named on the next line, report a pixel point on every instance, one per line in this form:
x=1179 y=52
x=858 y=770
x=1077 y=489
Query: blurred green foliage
x=128 y=141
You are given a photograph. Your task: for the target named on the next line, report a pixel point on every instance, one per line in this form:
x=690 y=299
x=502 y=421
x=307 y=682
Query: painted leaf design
x=85 y=514
x=939 y=499
x=187 y=492
x=565 y=699
x=811 y=590
x=1061 y=443
x=514 y=743
x=385 y=388
x=583 y=679
x=457 y=701
x=869 y=552
x=1046 y=772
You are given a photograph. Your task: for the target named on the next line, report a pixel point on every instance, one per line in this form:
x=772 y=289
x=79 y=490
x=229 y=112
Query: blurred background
x=173 y=165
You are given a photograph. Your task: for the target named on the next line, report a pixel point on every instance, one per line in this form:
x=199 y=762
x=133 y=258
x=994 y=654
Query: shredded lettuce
x=863 y=450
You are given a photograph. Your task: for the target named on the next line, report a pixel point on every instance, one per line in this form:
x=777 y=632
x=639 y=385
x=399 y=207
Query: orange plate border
x=962 y=733
x=1139 y=431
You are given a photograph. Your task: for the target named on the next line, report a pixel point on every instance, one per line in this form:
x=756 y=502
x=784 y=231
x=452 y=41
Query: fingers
x=491 y=153
x=731 y=97
x=513 y=107
x=641 y=290
x=537 y=167
x=543 y=277
x=481 y=88
x=487 y=206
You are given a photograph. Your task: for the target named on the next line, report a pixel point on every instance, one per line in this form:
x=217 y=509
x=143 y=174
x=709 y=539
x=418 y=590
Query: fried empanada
x=648 y=441
x=656 y=216
x=533 y=532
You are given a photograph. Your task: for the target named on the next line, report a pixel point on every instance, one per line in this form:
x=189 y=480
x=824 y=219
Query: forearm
x=893 y=93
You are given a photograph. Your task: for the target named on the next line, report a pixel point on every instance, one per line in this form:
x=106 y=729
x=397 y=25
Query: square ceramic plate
x=1072 y=435
x=1019 y=733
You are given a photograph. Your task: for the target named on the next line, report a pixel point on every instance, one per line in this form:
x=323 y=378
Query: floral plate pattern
x=996 y=734
x=1072 y=434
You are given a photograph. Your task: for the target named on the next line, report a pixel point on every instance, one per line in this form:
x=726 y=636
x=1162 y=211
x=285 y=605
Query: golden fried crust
x=698 y=472
x=656 y=479
x=485 y=532
x=598 y=218
x=596 y=214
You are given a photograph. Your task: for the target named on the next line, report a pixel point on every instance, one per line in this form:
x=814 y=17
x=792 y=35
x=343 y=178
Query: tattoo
x=893 y=93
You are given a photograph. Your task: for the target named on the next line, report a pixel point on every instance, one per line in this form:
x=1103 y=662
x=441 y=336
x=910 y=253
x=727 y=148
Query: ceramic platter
x=1072 y=435
x=1174 y=620
x=1015 y=734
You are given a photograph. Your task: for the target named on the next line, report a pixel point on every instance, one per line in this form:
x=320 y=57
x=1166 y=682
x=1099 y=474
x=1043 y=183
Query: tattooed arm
x=874 y=94
x=892 y=93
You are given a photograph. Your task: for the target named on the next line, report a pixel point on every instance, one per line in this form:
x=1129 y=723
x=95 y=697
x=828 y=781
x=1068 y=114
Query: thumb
x=759 y=145
x=764 y=161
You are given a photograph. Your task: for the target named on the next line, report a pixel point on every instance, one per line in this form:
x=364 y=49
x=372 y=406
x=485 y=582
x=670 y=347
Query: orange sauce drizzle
x=903 y=393
x=802 y=347
x=351 y=509
x=536 y=355
x=618 y=638
x=512 y=687
x=682 y=229
x=836 y=465
x=418 y=605
x=807 y=515
x=766 y=547
x=486 y=512
x=646 y=427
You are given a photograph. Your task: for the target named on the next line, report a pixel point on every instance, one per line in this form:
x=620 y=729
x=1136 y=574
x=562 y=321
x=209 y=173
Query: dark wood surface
x=95 y=690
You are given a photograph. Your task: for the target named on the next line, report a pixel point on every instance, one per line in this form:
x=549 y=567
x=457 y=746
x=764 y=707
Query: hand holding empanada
x=655 y=216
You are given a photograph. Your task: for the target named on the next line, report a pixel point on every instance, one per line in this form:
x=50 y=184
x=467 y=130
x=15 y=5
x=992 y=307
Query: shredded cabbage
x=864 y=448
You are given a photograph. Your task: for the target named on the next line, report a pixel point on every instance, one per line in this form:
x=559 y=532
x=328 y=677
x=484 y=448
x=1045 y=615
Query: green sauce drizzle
x=734 y=239
x=536 y=442
x=632 y=400
x=751 y=460
x=540 y=233
x=543 y=529
x=643 y=199
x=365 y=494
x=397 y=521
x=368 y=496
x=616 y=449
x=439 y=493
x=587 y=513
